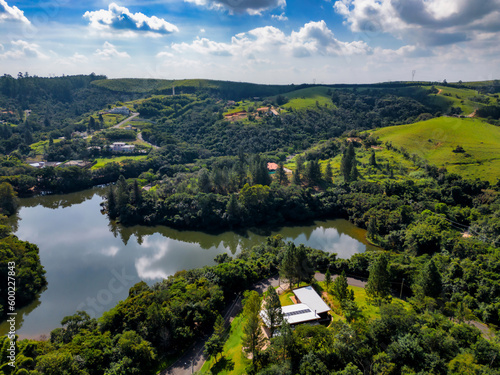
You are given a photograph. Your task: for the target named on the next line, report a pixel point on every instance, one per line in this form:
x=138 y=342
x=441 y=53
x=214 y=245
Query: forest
x=436 y=230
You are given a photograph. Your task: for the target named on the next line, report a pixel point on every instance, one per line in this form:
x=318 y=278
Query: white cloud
x=314 y=38
x=253 y=7
x=280 y=17
x=11 y=13
x=118 y=18
x=21 y=49
x=422 y=22
x=109 y=51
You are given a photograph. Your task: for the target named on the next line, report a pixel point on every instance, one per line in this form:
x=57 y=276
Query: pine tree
x=429 y=281
x=137 y=194
x=272 y=310
x=373 y=161
x=347 y=162
x=313 y=172
x=328 y=173
x=378 y=287
x=281 y=175
x=253 y=339
x=341 y=289
x=92 y=124
x=259 y=172
x=354 y=175
x=328 y=278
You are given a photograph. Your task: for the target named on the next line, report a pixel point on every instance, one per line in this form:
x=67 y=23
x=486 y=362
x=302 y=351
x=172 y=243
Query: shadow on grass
x=223 y=364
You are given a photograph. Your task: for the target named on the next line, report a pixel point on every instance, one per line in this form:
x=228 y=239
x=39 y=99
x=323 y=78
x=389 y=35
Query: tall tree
x=373 y=160
x=295 y=265
x=328 y=279
x=215 y=344
x=328 y=173
x=378 y=287
x=272 y=310
x=341 y=290
x=253 y=339
x=258 y=170
x=348 y=159
x=354 y=175
x=313 y=172
x=281 y=175
x=429 y=283
x=299 y=170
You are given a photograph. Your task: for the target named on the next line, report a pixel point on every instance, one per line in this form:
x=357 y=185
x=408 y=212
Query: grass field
x=435 y=139
x=309 y=97
x=101 y=162
x=233 y=360
x=39 y=147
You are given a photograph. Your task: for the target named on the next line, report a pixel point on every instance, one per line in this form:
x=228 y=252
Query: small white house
x=122 y=147
x=120 y=111
x=309 y=309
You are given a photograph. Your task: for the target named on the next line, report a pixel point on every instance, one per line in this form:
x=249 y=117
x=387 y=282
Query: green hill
x=308 y=97
x=435 y=140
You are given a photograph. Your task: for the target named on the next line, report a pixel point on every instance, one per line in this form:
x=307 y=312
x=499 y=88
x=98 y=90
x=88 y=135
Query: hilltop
x=469 y=147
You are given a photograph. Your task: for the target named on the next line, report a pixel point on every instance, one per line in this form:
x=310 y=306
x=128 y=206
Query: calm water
x=91 y=264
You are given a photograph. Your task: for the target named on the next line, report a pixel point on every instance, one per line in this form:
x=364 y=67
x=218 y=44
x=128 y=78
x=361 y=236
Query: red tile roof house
x=272 y=166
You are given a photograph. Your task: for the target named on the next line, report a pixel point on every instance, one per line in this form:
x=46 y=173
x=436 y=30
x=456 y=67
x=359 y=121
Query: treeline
x=18 y=259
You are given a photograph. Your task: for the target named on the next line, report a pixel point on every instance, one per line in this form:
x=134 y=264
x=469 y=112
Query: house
x=272 y=166
x=122 y=147
x=309 y=297
x=120 y=111
x=309 y=309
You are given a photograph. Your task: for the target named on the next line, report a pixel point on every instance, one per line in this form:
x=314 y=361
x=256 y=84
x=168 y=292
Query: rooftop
x=298 y=313
x=309 y=297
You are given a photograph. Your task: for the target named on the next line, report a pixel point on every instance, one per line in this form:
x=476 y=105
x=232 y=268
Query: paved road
x=193 y=359
x=139 y=137
x=351 y=281
x=134 y=114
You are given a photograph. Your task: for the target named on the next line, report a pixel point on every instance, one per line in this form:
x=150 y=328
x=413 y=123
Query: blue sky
x=264 y=41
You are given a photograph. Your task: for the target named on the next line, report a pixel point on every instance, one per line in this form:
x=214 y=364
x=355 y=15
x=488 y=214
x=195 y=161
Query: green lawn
x=233 y=360
x=435 y=139
x=307 y=98
x=101 y=162
x=38 y=147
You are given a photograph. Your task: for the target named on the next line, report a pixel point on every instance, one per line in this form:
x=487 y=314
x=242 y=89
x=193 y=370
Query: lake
x=91 y=263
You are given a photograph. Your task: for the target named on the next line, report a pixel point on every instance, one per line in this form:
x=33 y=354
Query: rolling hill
x=435 y=140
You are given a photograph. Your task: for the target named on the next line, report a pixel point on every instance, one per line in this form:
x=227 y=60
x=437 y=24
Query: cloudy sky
x=263 y=41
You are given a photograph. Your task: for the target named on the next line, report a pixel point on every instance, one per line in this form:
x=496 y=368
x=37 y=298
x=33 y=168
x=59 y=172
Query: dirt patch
x=377 y=148
x=440 y=91
x=473 y=114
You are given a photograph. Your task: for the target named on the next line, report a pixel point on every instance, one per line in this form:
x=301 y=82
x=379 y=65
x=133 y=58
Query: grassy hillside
x=436 y=139
x=308 y=97
x=467 y=100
